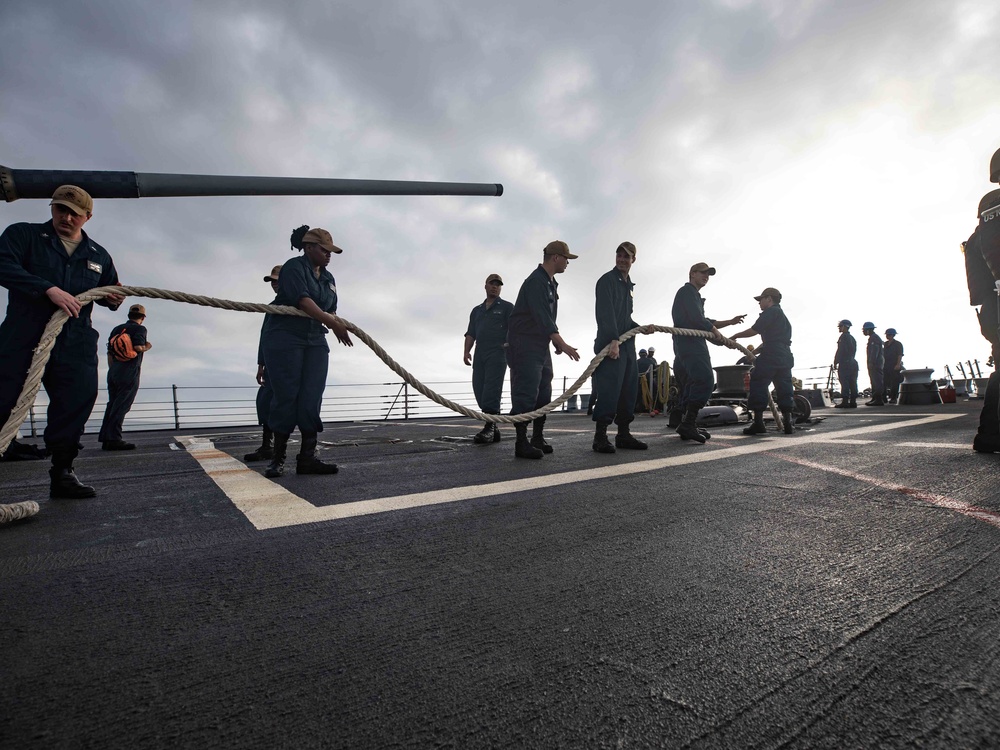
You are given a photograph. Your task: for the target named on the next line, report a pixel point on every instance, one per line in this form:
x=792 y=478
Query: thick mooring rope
x=17 y=511
x=43 y=351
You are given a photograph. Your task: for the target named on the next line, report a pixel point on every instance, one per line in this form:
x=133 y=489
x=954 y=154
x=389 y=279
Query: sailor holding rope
x=43 y=267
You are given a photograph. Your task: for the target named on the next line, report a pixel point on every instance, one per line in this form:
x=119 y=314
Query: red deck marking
x=940 y=501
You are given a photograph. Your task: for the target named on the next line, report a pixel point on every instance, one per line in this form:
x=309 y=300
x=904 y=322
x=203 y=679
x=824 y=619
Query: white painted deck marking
x=842 y=441
x=268 y=505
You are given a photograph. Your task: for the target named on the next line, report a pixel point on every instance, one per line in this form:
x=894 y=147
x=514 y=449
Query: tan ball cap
x=702 y=267
x=75 y=199
x=322 y=238
x=770 y=292
x=558 y=247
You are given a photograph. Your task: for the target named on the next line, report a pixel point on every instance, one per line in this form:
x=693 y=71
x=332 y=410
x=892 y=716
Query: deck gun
x=41 y=183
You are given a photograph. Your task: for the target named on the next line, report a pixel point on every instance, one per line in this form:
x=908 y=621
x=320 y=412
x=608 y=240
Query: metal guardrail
x=177 y=407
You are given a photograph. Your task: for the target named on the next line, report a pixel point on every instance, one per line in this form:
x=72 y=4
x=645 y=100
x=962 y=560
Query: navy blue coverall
x=296 y=353
x=616 y=381
x=32 y=260
x=982 y=258
x=891 y=377
x=774 y=365
x=264 y=393
x=488 y=328
x=692 y=364
x=123 y=382
x=876 y=365
x=847 y=367
x=529 y=353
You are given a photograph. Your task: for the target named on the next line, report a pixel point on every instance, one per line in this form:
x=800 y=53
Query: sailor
x=875 y=357
x=692 y=364
x=487 y=331
x=847 y=366
x=296 y=355
x=982 y=269
x=44 y=266
x=644 y=369
x=264 y=393
x=616 y=379
x=892 y=371
x=123 y=379
x=531 y=328
x=773 y=364
x=643 y=363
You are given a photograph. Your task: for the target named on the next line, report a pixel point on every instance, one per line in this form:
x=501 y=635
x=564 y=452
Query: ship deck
x=839 y=587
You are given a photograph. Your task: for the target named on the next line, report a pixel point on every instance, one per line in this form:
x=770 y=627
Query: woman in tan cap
x=296 y=354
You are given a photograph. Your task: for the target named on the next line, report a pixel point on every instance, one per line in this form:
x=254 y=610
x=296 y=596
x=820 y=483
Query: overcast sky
x=835 y=150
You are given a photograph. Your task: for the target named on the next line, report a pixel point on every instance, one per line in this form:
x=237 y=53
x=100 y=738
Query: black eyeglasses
x=496 y=283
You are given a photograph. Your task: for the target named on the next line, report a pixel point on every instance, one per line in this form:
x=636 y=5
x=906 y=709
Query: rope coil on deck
x=43 y=351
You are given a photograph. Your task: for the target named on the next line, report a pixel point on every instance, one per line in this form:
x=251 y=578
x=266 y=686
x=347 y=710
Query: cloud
x=836 y=150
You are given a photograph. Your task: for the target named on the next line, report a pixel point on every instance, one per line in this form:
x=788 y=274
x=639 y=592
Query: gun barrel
x=41 y=183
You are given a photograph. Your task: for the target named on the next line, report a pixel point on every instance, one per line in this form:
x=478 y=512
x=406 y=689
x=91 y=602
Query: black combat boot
x=522 y=448
x=757 y=428
x=987 y=438
x=307 y=463
x=787 y=422
x=489 y=434
x=64 y=482
x=688 y=429
x=536 y=435
x=624 y=439
x=265 y=452
x=20 y=452
x=276 y=468
x=117 y=445
x=601 y=443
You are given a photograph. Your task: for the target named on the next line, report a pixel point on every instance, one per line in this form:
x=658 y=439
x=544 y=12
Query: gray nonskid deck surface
x=785 y=592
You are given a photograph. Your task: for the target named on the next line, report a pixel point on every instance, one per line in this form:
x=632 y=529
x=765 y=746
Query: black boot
x=277 y=466
x=757 y=428
x=688 y=429
x=117 y=445
x=307 y=463
x=265 y=452
x=675 y=419
x=787 y=422
x=601 y=444
x=64 y=482
x=20 y=452
x=536 y=435
x=624 y=439
x=489 y=434
x=522 y=448
x=987 y=438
